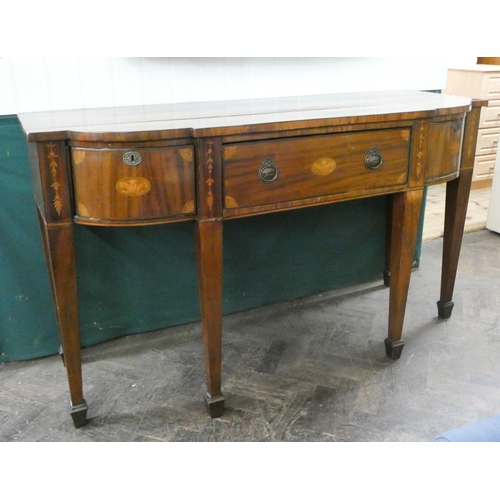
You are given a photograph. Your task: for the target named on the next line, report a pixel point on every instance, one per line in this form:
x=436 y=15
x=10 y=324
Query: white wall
x=44 y=83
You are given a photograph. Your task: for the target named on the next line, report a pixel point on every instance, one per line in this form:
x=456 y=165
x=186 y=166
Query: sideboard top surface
x=197 y=119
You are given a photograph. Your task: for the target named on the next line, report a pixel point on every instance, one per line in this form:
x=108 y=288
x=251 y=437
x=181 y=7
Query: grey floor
x=307 y=370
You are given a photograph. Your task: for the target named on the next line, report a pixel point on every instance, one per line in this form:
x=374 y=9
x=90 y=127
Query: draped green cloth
x=141 y=279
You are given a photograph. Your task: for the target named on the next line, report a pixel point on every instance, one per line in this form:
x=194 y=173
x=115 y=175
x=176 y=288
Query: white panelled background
x=47 y=83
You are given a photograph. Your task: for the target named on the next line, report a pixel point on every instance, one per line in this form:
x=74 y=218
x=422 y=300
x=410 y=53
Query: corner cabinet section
x=443 y=150
x=134 y=185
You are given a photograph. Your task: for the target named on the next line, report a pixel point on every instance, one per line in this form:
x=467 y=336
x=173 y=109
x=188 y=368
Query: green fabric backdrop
x=140 y=279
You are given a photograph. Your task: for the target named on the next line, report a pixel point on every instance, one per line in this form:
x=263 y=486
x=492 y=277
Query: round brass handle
x=268 y=171
x=373 y=159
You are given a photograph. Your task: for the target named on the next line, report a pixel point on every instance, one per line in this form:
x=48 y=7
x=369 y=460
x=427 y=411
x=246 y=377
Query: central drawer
x=283 y=170
x=134 y=184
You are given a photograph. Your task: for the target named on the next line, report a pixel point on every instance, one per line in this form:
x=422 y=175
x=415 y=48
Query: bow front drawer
x=271 y=172
x=130 y=185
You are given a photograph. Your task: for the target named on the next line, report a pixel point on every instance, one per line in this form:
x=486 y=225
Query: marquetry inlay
x=78 y=156
x=133 y=186
x=52 y=157
x=230 y=202
x=83 y=210
x=186 y=154
x=210 y=180
x=188 y=207
x=323 y=166
x=420 y=152
x=229 y=152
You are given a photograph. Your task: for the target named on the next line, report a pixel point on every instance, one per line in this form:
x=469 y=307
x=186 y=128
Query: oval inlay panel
x=133 y=186
x=323 y=166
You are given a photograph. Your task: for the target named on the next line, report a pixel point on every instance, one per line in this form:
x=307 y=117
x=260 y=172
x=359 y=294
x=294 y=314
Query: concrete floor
x=312 y=369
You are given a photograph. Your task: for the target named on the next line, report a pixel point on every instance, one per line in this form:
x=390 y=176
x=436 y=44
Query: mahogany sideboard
x=211 y=161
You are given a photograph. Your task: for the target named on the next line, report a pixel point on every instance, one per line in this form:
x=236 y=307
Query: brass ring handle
x=268 y=171
x=373 y=159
